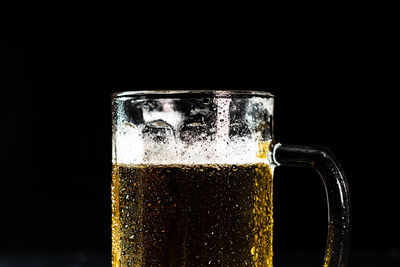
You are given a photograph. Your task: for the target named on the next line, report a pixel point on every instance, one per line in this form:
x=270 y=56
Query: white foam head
x=131 y=145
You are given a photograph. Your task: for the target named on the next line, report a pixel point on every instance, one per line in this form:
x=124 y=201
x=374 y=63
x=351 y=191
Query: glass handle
x=337 y=190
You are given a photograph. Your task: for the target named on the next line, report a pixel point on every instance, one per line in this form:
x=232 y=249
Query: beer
x=192 y=215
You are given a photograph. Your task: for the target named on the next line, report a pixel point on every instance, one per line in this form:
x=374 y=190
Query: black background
x=59 y=64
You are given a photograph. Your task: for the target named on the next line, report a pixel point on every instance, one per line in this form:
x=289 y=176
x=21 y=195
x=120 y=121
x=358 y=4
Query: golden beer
x=192 y=215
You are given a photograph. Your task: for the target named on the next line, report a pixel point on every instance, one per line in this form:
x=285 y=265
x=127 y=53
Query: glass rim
x=217 y=93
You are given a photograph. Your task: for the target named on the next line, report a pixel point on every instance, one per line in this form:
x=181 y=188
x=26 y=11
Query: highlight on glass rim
x=192 y=180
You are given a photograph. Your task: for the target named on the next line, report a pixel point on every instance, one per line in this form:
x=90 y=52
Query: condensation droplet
x=253 y=250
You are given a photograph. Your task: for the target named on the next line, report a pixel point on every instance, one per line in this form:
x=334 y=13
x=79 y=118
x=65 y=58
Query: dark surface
x=59 y=64
x=298 y=258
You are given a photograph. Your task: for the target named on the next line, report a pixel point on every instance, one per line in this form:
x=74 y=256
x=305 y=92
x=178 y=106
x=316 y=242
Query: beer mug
x=192 y=180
